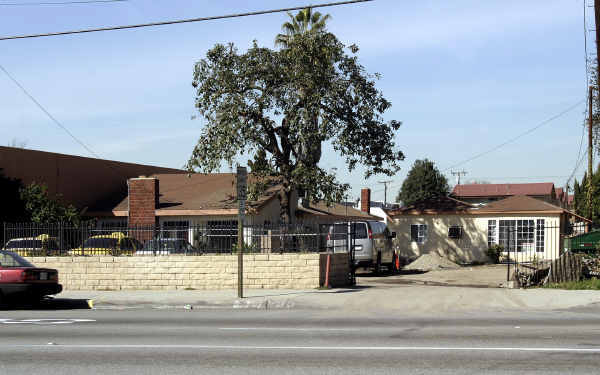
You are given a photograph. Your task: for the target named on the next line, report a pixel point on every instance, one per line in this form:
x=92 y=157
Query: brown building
x=83 y=182
x=482 y=194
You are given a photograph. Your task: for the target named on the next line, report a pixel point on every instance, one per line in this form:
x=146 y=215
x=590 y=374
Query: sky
x=463 y=77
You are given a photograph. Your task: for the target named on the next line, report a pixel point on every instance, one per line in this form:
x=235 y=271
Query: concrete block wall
x=272 y=271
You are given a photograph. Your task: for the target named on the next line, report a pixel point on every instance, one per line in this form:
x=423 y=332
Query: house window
x=176 y=229
x=492 y=233
x=518 y=235
x=418 y=233
x=506 y=234
x=540 y=234
x=222 y=235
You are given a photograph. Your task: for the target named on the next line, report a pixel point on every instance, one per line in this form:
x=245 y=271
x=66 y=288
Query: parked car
x=166 y=246
x=42 y=245
x=21 y=279
x=370 y=240
x=114 y=244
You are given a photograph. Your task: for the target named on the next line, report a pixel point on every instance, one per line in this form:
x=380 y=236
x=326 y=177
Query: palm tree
x=304 y=22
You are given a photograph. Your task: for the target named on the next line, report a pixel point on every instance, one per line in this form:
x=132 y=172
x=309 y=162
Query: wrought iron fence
x=529 y=248
x=29 y=239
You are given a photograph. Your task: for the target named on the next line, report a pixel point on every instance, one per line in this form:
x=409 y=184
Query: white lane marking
x=45 y=321
x=284 y=329
x=330 y=348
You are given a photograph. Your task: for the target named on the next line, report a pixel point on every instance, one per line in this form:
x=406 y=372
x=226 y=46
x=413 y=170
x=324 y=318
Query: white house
x=527 y=228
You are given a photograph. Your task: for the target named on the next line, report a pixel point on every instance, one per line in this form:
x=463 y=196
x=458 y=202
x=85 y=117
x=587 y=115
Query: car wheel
x=377 y=269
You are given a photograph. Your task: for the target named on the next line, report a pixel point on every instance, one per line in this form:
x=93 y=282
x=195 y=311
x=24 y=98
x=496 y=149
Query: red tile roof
x=494 y=190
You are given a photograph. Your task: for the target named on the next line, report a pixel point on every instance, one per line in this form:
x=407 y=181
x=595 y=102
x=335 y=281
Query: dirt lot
x=485 y=276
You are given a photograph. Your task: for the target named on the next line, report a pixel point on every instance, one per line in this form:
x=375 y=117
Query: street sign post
x=242 y=181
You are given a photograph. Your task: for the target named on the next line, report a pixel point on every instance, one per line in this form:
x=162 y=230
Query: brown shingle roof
x=485 y=190
x=334 y=209
x=430 y=206
x=199 y=191
x=520 y=203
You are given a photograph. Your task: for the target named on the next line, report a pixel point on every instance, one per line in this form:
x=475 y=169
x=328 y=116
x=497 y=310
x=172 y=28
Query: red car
x=20 y=279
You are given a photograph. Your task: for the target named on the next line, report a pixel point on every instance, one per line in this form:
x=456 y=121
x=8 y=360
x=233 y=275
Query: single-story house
x=525 y=227
x=187 y=203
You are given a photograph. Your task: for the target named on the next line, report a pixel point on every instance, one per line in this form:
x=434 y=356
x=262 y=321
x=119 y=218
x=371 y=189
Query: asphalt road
x=179 y=341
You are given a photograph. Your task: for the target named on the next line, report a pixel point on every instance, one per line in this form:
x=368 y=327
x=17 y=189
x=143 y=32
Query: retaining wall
x=272 y=271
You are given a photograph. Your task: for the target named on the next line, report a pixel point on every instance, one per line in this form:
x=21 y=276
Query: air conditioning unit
x=455 y=231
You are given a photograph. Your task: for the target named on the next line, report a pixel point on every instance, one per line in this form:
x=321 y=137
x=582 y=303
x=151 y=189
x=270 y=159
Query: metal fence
x=29 y=239
x=528 y=248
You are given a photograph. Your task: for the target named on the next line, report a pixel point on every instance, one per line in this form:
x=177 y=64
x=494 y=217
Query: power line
x=48 y=113
x=517 y=137
x=62 y=2
x=183 y=20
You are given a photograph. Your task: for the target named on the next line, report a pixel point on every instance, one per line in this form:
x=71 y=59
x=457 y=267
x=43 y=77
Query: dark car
x=166 y=246
x=21 y=279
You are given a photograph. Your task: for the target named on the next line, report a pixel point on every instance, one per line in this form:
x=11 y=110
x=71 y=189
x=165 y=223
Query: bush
x=494 y=253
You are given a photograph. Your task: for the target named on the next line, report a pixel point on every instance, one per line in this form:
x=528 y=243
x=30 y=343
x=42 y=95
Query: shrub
x=494 y=253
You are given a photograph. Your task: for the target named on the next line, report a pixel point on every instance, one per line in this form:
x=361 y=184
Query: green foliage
x=588 y=284
x=287 y=103
x=494 y=253
x=246 y=248
x=580 y=199
x=41 y=208
x=306 y=21
x=424 y=181
x=13 y=209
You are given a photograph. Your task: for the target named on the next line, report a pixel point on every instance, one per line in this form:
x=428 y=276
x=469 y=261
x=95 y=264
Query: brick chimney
x=143 y=201
x=365 y=200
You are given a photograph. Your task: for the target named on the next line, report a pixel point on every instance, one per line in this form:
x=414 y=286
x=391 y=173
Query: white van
x=371 y=241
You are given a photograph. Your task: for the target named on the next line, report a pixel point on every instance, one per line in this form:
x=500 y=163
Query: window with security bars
x=518 y=235
x=175 y=229
x=506 y=234
x=418 y=233
x=222 y=235
x=492 y=233
x=540 y=235
x=525 y=235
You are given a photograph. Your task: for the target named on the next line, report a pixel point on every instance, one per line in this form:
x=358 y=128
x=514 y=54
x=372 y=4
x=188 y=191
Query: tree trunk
x=285 y=195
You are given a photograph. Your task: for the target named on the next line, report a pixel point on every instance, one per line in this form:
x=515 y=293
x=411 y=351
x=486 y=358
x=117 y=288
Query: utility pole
x=385 y=184
x=459 y=173
x=590 y=148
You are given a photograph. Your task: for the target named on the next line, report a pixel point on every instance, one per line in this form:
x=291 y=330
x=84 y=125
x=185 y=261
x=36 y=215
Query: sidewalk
x=405 y=299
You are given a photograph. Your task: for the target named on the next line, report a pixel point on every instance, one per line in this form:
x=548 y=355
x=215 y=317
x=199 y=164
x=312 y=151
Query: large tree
x=424 y=181
x=581 y=197
x=287 y=103
x=13 y=208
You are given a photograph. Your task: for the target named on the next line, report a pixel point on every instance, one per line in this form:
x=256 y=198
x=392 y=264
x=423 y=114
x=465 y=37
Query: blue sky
x=463 y=76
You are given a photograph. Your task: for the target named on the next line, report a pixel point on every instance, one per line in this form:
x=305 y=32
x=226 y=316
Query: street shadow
x=346 y=289
x=47 y=304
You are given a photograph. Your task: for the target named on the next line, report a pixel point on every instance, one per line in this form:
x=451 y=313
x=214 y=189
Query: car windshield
x=24 y=244
x=101 y=243
x=8 y=259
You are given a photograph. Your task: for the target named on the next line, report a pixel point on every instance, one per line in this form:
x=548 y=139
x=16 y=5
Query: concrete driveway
x=485 y=276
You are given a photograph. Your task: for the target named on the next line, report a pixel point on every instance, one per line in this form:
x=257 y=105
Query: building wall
x=471 y=247
x=81 y=181
x=473 y=244
x=283 y=271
